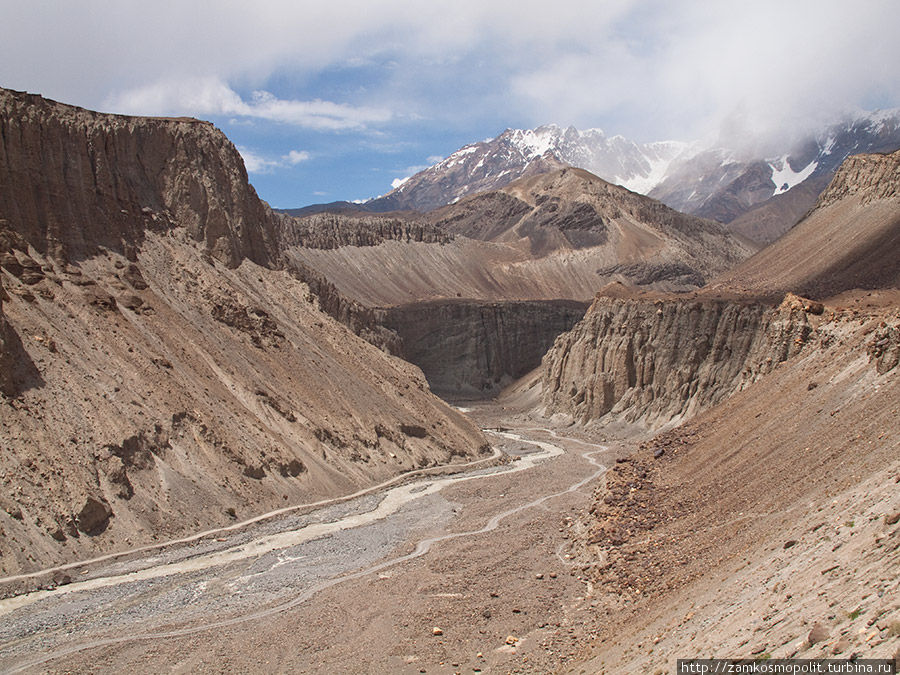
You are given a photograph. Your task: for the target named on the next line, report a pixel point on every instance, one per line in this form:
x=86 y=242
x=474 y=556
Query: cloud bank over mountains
x=392 y=69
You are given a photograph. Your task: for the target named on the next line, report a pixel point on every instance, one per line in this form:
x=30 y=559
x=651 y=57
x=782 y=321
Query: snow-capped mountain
x=719 y=184
x=517 y=153
x=760 y=197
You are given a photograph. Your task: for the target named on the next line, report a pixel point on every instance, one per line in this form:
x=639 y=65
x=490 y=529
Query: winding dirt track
x=279 y=567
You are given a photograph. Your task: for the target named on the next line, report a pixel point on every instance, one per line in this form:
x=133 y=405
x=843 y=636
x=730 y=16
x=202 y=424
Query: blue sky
x=330 y=101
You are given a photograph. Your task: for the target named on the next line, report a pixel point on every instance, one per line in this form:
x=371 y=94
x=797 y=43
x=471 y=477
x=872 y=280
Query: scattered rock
x=93 y=517
x=437 y=631
x=892 y=519
x=255 y=472
x=134 y=277
x=414 y=430
x=511 y=640
x=790 y=543
x=819 y=633
x=293 y=468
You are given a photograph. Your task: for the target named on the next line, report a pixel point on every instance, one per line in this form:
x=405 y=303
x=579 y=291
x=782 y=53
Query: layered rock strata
x=661 y=360
x=471 y=349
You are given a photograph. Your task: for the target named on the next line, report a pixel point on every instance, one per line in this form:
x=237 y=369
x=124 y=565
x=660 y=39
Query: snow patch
x=785 y=177
x=397 y=182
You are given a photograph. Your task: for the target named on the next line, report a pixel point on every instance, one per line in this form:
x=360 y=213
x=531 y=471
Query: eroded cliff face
x=471 y=349
x=659 y=361
x=72 y=180
x=5 y=355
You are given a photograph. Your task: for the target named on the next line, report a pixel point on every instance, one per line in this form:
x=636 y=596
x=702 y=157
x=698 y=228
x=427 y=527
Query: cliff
x=331 y=230
x=659 y=360
x=471 y=349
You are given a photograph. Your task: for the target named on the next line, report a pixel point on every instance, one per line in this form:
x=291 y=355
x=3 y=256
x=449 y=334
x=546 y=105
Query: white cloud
x=648 y=67
x=296 y=157
x=258 y=163
x=211 y=96
x=397 y=182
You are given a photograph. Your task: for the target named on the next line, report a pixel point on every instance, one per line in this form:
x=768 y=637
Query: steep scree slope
x=559 y=235
x=851 y=239
x=765 y=526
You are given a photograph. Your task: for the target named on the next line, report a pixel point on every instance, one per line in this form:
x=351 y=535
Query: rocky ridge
x=850 y=239
x=555 y=238
x=762 y=196
x=661 y=359
x=72 y=181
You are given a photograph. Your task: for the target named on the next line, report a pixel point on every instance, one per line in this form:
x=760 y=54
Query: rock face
x=6 y=364
x=868 y=178
x=72 y=181
x=160 y=372
x=470 y=349
x=660 y=360
x=330 y=231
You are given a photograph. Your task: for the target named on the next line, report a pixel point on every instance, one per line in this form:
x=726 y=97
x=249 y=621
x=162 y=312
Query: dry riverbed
x=468 y=573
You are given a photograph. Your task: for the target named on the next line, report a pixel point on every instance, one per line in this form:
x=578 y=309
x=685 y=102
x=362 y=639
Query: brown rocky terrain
x=849 y=240
x=471 y=349
x=554 y=237
x=765 y=525
x=562 y=234
x=160 y=373
x=659 y=361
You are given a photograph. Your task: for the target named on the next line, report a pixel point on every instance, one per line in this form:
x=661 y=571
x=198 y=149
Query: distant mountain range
x=760 y=197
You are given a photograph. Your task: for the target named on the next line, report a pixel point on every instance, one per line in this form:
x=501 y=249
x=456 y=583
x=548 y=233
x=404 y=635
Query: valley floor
x=500 y=569
x=464 y=573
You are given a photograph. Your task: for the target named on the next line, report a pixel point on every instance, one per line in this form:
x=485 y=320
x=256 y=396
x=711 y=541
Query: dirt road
x=463 y=573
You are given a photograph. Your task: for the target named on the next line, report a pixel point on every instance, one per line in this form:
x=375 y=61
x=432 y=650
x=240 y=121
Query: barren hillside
x=558 y=235
x=851 y=238
x=160 y=375
x=766 y=524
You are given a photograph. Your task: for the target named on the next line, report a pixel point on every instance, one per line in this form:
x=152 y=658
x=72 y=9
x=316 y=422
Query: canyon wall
x=72 y=180
x=470 y=349
x=659 y=360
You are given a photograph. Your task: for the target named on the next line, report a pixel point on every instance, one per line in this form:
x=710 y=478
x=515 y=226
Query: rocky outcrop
x=661 y=360
x=72 y=181
x=850 y=240
x=471 y=349
x=330 y=230
x=868 y=177
x=6 y=364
